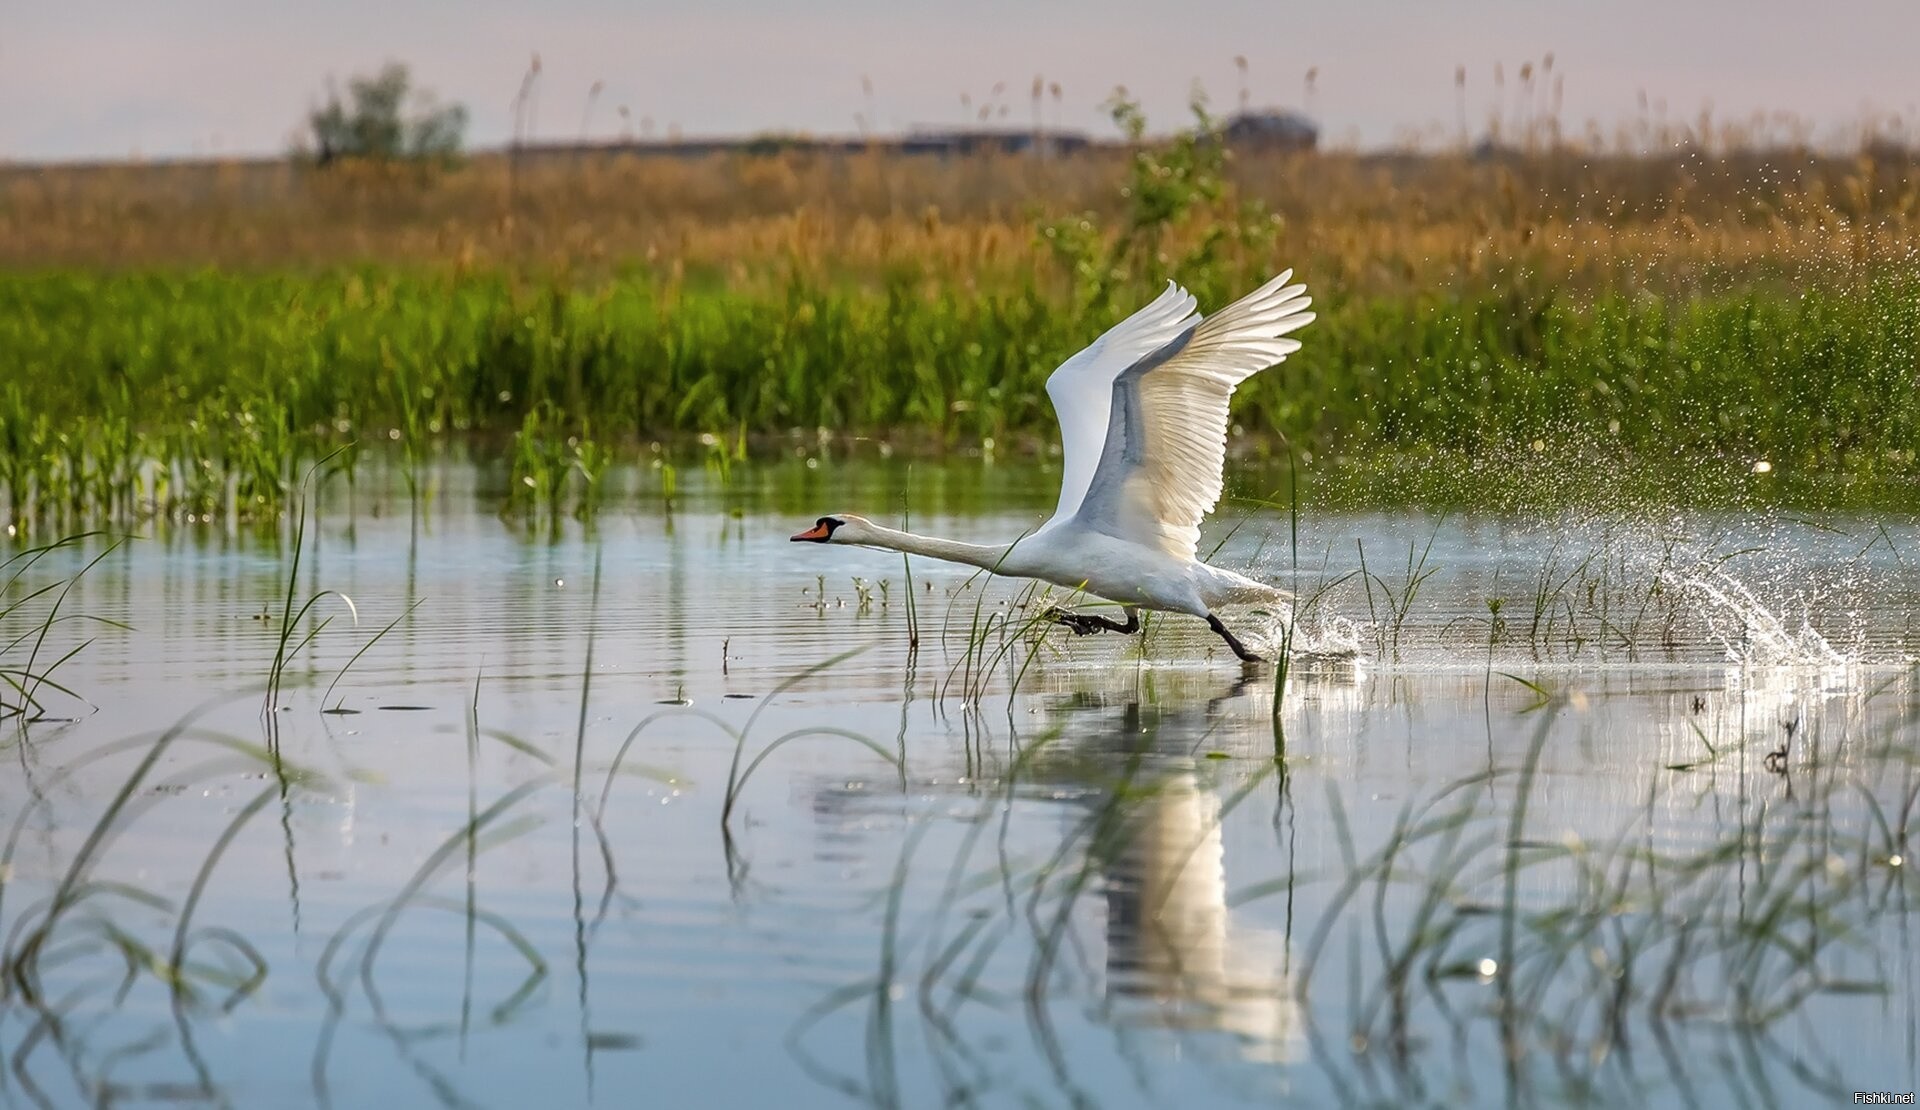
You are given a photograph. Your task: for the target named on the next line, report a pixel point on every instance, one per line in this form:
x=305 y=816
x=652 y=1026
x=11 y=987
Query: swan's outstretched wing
x=1166 y=435
x=1082 y=388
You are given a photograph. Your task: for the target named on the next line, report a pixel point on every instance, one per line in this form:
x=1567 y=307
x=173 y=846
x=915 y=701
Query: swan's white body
x=1084 y=559
x=1143 y=428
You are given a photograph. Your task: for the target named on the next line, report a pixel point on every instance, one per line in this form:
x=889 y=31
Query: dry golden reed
x=1357 y=222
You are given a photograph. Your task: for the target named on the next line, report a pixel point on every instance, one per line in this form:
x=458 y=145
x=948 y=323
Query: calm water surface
x=1580 y=809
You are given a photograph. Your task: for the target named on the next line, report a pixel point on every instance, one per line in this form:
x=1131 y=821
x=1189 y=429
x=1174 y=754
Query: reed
x=125 y=415
x=30 y=613
x=294 y=611
x=1689 y=198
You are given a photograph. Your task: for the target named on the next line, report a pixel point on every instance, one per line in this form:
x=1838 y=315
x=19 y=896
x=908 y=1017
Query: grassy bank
x=174 y=341
x=192 y=393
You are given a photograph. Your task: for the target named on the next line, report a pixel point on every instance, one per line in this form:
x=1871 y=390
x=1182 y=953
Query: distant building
x=1273 y=129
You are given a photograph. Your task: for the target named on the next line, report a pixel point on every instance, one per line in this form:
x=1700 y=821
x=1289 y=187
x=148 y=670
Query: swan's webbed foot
x=1086 y=624
x=1239 y=649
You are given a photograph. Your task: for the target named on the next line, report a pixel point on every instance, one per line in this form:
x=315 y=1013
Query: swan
x=1143 y=430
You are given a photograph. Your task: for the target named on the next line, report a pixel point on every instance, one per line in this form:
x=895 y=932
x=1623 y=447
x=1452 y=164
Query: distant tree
x=383 y=118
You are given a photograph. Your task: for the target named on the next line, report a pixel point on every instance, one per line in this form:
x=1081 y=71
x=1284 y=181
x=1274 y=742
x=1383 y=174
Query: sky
x=87 y=79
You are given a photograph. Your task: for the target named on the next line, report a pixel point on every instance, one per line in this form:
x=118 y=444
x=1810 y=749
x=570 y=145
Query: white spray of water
x=1752 y=634
x=1323 y=636
x=1788 y=598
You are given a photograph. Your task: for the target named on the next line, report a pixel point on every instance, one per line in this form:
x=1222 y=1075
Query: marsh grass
x=1007 y=639
x=737 y=776
x=74 y=957
x=205 y=970
x=487 y=829
x=1574 y=951
x=906 y=568
x=25 y=668
x=1614 y=384
x=1014 y=637
x=78 y=954
x=286 y=646
x=556 y=468
x=1398 y=603
x=289 y=640
x=1696 y=197
x=988 y=630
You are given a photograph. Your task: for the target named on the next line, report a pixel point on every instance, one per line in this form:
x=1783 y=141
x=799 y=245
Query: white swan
x=1143 y=428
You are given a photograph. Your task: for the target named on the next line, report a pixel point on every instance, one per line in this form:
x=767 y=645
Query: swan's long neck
x=987 y=556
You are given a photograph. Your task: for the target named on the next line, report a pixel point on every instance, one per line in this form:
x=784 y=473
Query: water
x=1590 y=809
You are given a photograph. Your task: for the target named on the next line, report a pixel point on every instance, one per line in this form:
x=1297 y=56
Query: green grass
x=30 y=611
x=195 y=395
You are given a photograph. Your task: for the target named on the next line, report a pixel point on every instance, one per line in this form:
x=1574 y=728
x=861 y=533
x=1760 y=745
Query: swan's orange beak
x=816 y=534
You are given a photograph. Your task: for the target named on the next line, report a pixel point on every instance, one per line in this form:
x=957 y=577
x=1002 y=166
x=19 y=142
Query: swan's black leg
x=1086 y=624
x=1239 y=649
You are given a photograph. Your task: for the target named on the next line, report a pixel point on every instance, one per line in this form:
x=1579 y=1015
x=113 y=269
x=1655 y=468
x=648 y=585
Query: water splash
x=1329 y=636
x=1752 y=634
x=1756 y=589
x=1315 y=636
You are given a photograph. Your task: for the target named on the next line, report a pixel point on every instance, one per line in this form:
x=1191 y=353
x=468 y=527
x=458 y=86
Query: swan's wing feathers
x=1081 y=389
x=1166 y=443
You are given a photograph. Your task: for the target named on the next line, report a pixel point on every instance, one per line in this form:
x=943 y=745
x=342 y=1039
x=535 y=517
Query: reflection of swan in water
x=1176 y=959
x=1127 y=750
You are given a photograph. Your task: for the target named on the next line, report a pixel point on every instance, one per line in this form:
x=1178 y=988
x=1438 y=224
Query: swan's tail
x=1225 y=587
